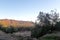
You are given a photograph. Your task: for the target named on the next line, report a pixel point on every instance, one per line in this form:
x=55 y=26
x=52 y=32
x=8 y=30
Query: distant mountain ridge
x=16 y=23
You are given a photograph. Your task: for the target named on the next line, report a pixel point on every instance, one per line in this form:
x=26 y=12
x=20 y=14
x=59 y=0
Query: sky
x=27 y=10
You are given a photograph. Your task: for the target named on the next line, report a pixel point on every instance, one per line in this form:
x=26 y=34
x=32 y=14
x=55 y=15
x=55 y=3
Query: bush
x=15 y=30
x=36 y=31
x=12 y=29
x=39 y=31
x=24 y=28
x=7 y=29
x=57 y=26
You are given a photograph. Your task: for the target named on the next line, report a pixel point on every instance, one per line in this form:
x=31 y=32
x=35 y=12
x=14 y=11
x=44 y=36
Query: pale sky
x=26 y=9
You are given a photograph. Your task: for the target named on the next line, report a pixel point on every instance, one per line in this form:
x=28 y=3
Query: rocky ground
x=26 y=35
x=16 y=36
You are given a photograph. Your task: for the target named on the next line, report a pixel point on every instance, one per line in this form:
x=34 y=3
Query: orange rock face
x=15 y=23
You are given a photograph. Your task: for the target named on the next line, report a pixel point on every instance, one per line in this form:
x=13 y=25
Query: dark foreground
x=26 y=35
x=16 y=36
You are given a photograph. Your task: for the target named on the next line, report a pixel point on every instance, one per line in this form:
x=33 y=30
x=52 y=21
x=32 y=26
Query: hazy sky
x=26 y=9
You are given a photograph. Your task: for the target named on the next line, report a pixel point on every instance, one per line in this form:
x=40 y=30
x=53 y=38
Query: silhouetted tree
x=45 y=24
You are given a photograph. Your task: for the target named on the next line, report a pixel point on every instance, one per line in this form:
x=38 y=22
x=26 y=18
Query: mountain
x=15 y=23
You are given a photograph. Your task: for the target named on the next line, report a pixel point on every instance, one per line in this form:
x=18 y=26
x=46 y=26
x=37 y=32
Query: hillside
x=15 y=23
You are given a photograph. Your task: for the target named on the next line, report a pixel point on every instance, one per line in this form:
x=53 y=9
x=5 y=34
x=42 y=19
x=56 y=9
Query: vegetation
x=12 y=29
x=46 y=23
x=57 y=26
x=50 y=38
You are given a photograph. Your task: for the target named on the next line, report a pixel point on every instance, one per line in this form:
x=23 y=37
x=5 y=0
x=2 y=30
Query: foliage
x=36 y=32
x=39 y=31
x=57 y=26
x=15 y=30
x=8 y=29
x=50 y=38
x=45 y=24
x=25 y=28
x=47 y=18
x=12 y=29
